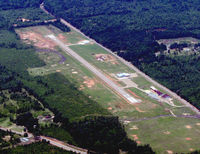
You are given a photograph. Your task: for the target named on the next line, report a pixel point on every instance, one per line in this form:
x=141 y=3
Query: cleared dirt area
x=63 y=39
x=38 y=40
x=89 y=82
x=106 y=58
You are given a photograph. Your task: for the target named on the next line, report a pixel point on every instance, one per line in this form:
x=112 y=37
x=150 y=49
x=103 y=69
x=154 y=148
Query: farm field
x=148 y=122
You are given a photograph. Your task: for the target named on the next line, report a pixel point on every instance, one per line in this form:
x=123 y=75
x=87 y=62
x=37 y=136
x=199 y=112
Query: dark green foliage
x=104 y=135
x=61 y=26
x=3 y=143
x=32 y=16
x=59 y=133
x=27 y=120
x=35 y=148
x=15 y=4
x=178 y=46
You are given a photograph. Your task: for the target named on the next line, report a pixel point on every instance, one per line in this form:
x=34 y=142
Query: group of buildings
x=158 y=95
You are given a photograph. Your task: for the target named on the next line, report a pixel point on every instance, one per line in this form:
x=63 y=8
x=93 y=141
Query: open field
x=163 y=126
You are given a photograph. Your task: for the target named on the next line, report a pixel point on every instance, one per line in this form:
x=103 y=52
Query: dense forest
x=55 y=92
x=131 y=28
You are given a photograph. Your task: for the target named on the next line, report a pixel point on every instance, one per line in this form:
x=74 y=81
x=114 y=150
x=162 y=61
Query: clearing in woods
x=164 y=123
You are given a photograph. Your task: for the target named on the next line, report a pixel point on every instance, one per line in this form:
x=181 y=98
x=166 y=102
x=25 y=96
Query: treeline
x=16 y=4
x=131 y=29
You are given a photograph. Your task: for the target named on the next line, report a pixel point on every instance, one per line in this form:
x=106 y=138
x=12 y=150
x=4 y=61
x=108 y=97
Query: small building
x=165 y=96
x=153 y=96
x=122 y=75
x=158 y=92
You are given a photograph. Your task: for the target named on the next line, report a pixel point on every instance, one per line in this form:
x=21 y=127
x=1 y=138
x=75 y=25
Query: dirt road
x=116 y=88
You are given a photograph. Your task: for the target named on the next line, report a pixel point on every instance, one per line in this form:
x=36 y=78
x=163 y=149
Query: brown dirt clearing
x=37 y=39
x=167 y=132
x=135 y=137
x=134 y=128
x=139 y=110
x=109 y=108
x=188 y=126
x=63 y=39
x=89 y=82
x=169 y=152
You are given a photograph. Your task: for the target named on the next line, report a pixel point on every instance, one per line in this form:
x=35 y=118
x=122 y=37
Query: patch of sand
x=198 y=124
x=126 y=122
x=167 y=132
x=188 y=139
x=188 y=126
x=135 y=137
x=169 y=152
x=74 y=72
x=191 y=149
x=58 y=70
x=138 y=109
x=89 y=82
x=186 y=114
x=134 y=128
x=62 y=38
x=109 y=108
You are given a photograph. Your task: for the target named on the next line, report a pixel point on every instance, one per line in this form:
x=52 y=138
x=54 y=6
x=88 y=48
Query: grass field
x=143 y=120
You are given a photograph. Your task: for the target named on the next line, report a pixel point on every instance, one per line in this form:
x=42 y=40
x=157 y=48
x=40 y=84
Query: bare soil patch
x=135 y=137
x=188 y=139
x=58 y=70
x=63 y=38
x=167 y=132
x=134 y=128
x=139 y=110
x=188 y=126
x=106 y=58
x=89 y=82
x=37 y=39
x=198 y=124
x=169 y=152
x=109 y=108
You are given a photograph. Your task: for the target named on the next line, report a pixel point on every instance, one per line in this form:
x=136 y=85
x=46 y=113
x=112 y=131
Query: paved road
x=97 y=72
x=64 y=146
